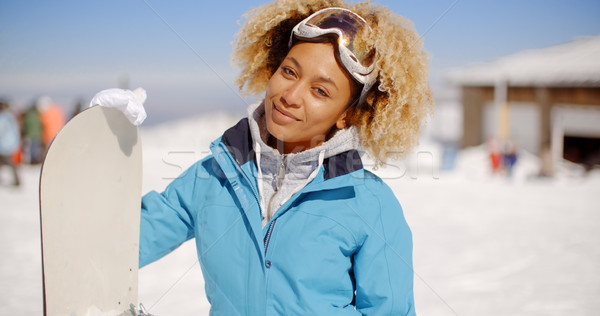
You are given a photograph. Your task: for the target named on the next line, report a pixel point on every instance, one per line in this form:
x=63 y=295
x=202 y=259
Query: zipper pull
x=281 y=172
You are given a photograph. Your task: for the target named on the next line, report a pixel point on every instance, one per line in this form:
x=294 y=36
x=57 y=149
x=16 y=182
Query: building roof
x=575 y=63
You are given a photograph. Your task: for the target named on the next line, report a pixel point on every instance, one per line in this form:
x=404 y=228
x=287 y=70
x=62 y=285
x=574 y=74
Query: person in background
x=52 y=117
x=10 y=140
x=509 y=158
x=33 y=148
x=495 y=153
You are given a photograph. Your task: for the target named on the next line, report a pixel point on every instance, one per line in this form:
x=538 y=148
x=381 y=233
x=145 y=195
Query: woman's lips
x=283 y=115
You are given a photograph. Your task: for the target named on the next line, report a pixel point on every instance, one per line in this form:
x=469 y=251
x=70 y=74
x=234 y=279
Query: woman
x=286 y=220
x=10 y=139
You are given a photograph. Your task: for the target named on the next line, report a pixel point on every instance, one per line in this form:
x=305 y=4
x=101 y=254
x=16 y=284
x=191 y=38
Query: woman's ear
x=341 y=122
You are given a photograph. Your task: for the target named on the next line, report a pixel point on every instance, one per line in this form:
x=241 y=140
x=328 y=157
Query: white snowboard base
x=90 y=189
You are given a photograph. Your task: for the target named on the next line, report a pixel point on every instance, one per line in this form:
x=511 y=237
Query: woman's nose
x=293 y=94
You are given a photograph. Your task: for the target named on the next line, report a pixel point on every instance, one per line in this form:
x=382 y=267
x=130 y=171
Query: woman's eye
x=321 y=92
x=287 y=71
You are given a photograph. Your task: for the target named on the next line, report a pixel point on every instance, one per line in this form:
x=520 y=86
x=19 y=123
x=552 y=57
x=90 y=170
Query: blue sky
x=179 y=50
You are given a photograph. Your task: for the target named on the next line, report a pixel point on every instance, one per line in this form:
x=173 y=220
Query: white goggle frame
x=345 y=24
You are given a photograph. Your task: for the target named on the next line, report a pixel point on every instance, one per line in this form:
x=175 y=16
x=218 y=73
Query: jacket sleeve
x=167 y=218
x=383 y=267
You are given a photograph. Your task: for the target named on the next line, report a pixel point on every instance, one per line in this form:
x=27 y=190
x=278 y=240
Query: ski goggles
x=350 y=31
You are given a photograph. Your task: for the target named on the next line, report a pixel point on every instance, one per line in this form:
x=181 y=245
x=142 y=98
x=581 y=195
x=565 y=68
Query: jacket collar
x=340 y=152
x=238 y=141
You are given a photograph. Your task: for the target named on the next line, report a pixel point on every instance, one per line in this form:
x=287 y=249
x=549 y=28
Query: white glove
x=131 y=103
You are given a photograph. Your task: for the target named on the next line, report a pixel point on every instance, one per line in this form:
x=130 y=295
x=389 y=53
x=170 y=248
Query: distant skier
x=33 y=149
x=52 y=117
x=509 y=158
x=10 y=139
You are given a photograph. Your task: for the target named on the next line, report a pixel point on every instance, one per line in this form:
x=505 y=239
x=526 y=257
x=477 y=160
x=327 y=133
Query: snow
x=483 y=244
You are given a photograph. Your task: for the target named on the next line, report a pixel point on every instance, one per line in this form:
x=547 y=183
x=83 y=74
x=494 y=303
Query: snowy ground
x=483 y=245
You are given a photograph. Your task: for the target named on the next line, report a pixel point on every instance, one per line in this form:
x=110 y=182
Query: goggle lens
x=353 y=32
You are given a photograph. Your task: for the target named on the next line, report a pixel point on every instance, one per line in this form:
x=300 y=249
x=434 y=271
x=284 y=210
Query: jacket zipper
x=268 y=235
x=279 y=181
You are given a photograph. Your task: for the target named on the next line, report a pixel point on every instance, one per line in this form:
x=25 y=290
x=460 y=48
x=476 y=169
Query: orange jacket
x=53 y=120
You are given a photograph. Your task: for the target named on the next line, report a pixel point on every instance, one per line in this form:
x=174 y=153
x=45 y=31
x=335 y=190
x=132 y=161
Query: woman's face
x=306 y=97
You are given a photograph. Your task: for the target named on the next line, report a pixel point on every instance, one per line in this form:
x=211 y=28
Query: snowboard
x=90 y=192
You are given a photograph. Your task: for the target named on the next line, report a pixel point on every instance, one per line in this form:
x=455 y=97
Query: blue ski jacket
x=340 y=246
x=9 y=134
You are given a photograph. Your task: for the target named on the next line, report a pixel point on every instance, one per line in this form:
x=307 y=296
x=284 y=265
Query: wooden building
x=542 y=98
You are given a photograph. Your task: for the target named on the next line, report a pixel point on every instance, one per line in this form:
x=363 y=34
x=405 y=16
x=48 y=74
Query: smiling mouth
x=285 y=113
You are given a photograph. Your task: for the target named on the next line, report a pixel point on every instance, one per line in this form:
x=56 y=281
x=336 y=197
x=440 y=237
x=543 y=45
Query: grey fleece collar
x=343 y=140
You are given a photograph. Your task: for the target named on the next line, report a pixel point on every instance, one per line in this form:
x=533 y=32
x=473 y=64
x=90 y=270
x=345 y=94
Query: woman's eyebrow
x=318 y=77
x=295 y=62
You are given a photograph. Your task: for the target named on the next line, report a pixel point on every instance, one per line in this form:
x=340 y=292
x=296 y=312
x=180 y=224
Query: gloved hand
x=131 y=103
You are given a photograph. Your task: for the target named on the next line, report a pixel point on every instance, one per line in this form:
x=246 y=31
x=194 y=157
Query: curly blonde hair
x=390 y=123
